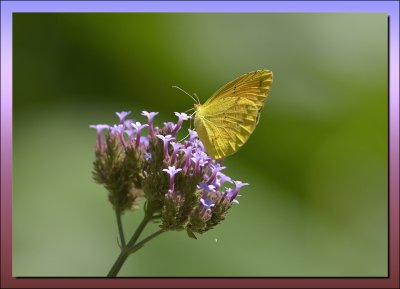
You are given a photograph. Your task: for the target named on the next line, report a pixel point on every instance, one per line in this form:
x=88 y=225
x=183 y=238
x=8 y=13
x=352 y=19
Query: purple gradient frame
x=7 y=8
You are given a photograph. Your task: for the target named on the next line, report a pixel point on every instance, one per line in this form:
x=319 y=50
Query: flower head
x=181 y=183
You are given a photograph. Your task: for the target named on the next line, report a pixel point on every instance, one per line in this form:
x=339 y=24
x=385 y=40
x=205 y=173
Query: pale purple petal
x=122 y=115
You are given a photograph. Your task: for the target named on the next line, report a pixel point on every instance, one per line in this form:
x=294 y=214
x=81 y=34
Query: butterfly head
x=198 y=108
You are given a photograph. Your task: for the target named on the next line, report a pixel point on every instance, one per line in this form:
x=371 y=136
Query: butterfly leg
x=190 y=127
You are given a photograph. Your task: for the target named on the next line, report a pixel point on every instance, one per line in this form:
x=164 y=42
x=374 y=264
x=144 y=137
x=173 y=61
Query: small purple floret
x=122 y=115
x=150 y=116
x=166 y=139
x=215 y=169
x=138 y=126
x=99 y=128
x=118 y=129
x=192 y=135
x=175 y=146
x=181 y=117
x=172 y=171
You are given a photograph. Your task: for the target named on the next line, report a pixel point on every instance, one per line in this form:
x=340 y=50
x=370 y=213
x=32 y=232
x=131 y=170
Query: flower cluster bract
x=182 y=184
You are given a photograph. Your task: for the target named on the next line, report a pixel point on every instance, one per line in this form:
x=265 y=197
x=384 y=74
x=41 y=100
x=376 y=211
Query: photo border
x=10 y=7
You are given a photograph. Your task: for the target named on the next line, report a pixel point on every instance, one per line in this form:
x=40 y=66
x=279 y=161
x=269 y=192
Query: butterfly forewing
x=226 y=120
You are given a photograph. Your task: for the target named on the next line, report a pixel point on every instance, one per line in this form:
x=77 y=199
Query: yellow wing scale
x=226 y=120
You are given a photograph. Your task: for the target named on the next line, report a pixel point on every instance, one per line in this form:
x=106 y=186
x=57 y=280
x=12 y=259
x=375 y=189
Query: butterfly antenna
x=177 y=87
x=184 y=138
x=198 y=100
x=189 y=110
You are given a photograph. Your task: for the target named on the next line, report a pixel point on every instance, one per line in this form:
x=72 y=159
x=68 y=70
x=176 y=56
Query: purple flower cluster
x=181 y=183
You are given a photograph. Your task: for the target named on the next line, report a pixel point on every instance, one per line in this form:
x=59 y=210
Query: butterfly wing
x=226 y=120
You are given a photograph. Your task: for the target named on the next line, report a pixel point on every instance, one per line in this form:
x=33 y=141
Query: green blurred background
x=317 y=162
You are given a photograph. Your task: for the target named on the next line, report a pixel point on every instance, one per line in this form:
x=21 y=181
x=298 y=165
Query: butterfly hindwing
x=224 y=133
x=225 y=121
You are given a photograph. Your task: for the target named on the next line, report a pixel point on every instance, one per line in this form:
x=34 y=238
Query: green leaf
x=191 y=234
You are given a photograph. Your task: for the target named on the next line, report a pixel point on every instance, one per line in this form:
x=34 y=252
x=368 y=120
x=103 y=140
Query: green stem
x=120 y=229
x=139 y=230
x=118 y=263
x=144 y=241
x=125 y=250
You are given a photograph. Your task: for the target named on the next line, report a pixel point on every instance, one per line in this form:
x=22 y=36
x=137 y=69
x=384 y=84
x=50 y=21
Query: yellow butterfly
x=227 y=119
